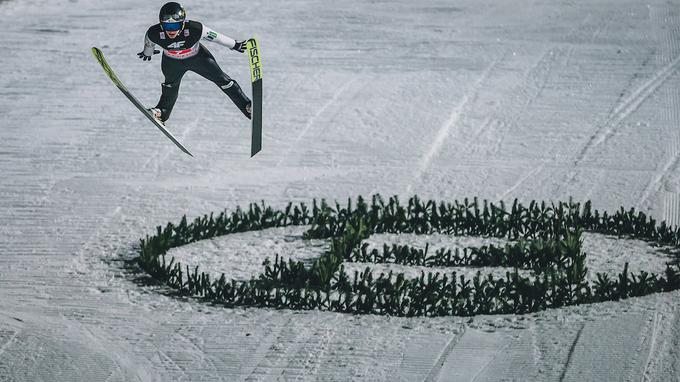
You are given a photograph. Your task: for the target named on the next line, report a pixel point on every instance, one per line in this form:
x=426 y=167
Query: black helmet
x=172 y=13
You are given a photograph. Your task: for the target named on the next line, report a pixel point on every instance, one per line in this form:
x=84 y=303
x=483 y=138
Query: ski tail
x=256 y=107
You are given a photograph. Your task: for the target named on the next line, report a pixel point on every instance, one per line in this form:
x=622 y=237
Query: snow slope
x=445 y=99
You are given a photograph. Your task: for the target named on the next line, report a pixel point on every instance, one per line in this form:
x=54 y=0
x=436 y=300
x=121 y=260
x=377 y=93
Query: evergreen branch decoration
x=546 y=239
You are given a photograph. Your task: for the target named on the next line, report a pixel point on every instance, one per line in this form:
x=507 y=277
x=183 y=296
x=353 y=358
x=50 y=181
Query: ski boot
x=156 y=113
x=249 y=111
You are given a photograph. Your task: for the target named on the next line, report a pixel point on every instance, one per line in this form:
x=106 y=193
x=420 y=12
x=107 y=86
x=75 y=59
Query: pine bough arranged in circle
x=544 y=238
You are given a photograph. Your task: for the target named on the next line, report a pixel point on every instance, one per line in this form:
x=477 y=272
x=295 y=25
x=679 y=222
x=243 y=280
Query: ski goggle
x=171 y=27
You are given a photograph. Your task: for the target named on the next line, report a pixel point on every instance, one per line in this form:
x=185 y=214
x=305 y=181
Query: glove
x=144 y=57
x=240 y=46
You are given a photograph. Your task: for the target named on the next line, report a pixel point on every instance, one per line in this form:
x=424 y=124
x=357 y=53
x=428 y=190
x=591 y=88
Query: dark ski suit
x=185 y=52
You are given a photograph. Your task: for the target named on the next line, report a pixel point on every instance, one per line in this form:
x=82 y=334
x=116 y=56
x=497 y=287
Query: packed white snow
x=444 y=99
x=240 y=256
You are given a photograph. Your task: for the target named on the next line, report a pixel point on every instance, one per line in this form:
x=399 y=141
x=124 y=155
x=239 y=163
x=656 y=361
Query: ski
x=256 y=107
x=107 y=69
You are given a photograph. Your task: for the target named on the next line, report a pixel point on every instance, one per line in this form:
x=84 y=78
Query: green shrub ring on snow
x=546 y=238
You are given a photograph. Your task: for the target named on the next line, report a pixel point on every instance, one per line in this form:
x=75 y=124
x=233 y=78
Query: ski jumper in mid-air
x=182 y=51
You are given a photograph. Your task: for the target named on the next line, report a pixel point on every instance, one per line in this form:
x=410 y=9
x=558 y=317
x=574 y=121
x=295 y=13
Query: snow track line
x=81 y=260
x=571 y=352
x=170 y=362
x=312 y=361
x=674 y=346
x=312 y=121
x=671 y=118
x=9 y=342
x=538 y=355
x=277 y=359
x=534 y=84
x=626 y=108
x=433 y=375
x=487 y=128
x=655 y=184
x=205 y=359
x=652 y=347
x=454 y=117
x=162 y=154
x=521 y=181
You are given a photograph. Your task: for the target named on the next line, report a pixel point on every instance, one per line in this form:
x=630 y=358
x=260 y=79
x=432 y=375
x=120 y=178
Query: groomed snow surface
x=535 y=100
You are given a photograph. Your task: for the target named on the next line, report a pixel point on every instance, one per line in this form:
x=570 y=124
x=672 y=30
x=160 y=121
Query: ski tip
x=97 y=53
